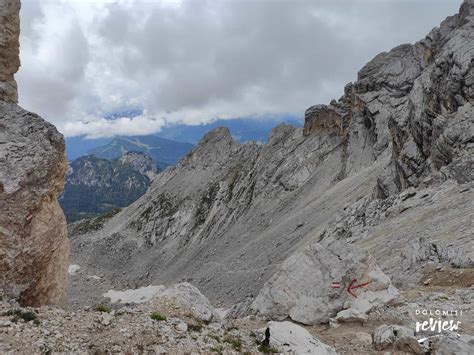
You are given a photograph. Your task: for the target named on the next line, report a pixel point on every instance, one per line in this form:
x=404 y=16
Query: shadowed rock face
x=228 y=215
x=34 y=249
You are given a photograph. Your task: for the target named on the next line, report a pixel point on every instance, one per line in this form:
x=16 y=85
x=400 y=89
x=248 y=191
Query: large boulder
x=34 y=248
x=184 y=295
x=324 y=280
x=189 y=297
x=288 y=337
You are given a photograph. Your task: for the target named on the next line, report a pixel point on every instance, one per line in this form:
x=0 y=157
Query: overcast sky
x=196 y=60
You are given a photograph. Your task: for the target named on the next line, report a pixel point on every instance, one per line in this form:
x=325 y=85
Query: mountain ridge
x=243 y=129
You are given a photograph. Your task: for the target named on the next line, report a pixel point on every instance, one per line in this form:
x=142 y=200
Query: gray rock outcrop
x=33 y=245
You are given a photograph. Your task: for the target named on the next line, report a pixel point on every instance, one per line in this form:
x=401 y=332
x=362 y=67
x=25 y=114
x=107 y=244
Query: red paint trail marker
x=352 y=287
x=335 y=285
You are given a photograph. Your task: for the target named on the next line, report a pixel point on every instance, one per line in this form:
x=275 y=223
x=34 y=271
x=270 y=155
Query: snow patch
x=138 y=295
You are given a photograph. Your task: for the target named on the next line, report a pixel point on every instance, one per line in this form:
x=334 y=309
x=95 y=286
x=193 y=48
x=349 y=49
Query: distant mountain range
x=95 y=186
x=163 y=151
x=79 y=146
x=241 y=129
x=166 y=147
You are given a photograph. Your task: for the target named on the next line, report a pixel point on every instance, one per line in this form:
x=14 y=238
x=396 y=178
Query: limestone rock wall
x=34 y=249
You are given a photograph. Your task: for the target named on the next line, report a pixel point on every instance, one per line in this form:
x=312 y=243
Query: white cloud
x=194 y=60
x=101 y=127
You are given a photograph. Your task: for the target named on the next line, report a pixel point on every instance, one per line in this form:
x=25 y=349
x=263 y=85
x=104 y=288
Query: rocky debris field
x=161 y=325
x=372 y=336
x=179 y=319
x=433 y=270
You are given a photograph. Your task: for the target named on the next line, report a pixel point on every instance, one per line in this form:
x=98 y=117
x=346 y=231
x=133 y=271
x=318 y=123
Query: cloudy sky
x=192 y=61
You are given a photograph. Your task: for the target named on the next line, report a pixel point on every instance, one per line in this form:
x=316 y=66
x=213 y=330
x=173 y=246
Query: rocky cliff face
x=9 y=48
x=33 y=245
x=229 y=214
